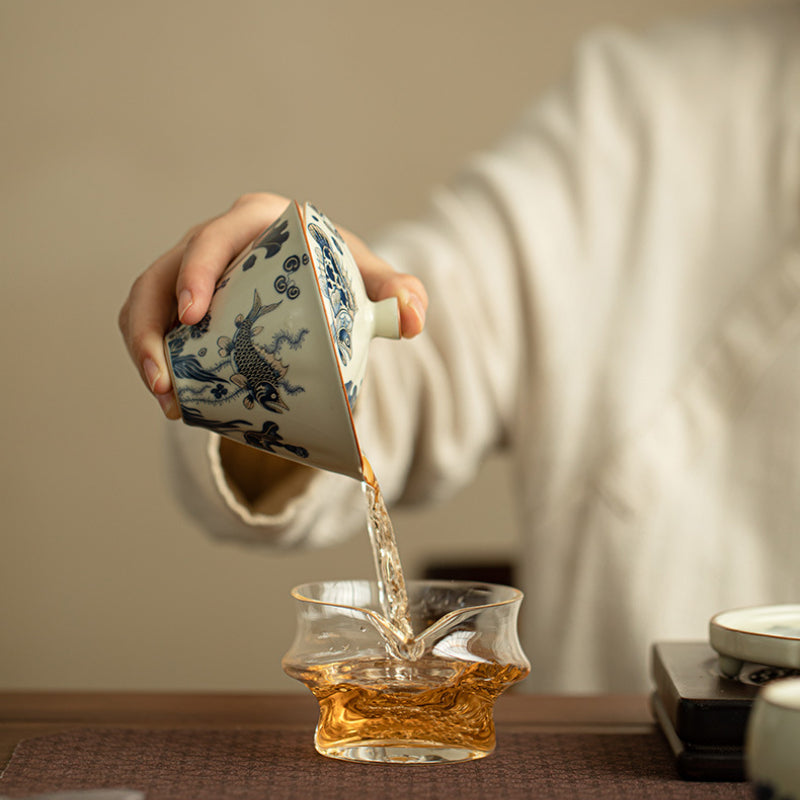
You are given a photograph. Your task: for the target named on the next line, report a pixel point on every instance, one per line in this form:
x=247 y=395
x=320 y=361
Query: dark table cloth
x=203 y=764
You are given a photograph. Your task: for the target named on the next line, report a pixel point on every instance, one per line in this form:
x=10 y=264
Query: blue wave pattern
x=336 y=287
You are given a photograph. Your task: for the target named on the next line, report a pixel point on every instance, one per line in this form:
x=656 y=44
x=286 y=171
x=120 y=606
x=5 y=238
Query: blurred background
x=122 y=125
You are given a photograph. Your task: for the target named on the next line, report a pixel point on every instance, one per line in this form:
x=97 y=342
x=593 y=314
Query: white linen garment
x=615 y=300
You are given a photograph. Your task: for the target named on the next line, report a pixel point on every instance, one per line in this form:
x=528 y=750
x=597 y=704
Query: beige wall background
x=123 y=124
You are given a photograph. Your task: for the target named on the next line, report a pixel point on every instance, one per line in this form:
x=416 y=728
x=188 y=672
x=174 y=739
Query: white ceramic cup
x=278 y=361
x=772 y=745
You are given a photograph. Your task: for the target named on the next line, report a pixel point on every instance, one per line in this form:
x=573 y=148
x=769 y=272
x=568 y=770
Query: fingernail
x=151 y=372
x=415 y=304
x=185 y=301
x=168 y=405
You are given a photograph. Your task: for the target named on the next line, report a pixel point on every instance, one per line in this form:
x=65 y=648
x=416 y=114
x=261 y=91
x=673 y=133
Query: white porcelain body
x=278 y=361
x=773 y=741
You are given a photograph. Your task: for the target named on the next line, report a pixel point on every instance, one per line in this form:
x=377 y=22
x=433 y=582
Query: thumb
x=382 y=281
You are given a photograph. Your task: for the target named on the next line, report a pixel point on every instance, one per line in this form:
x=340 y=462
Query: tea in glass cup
x=385 y=698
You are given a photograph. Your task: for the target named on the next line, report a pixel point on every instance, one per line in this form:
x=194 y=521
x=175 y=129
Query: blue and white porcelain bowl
x=278 y=361
x=772 y=746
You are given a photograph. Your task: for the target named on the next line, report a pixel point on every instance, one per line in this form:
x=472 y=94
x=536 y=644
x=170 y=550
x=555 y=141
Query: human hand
x=181 y=283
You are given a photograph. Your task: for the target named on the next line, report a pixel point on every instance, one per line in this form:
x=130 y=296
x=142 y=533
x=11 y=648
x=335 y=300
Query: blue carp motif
x=258 y=371
x=337 y=289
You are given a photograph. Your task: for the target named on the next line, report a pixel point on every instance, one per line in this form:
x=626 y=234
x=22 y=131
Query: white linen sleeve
x=521 y=260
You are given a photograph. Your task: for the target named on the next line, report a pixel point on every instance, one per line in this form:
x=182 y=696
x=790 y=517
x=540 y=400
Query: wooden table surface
x=25 y=715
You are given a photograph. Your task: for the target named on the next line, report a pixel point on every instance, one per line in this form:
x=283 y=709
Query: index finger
x=209 y=249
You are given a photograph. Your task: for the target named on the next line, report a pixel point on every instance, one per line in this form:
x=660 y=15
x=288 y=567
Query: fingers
x=382 y=281
x=209 y=248
x=181 y=283
x=146 y=315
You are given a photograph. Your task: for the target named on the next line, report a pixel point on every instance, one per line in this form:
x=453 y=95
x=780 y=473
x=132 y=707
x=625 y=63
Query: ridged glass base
x=401 y=753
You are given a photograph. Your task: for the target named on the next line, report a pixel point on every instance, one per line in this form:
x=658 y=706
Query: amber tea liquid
x=368 y=707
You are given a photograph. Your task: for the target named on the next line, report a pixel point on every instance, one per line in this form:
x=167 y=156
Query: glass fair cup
x=385 y=699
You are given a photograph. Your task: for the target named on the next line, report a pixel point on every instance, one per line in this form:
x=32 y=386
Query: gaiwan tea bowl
x=278 y=361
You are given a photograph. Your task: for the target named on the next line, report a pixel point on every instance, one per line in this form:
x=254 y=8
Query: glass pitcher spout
x=412 y=648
